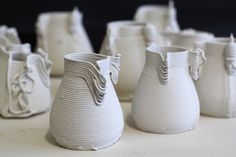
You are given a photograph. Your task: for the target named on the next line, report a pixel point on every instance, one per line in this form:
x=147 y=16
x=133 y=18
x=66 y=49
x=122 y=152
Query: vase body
x=25 y=82
x=129 y=39
x=60 y=33
x=217 y=84
x=165 y=100
x=86 y=113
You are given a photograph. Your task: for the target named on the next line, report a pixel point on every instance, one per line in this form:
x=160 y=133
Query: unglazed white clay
x=8 y=36
x=161 y=16
x=217 y=84
x=60 y=33
x=128 y=38
x=186 y=38
x=25 y=82
x=86 y=113
x=165 y=100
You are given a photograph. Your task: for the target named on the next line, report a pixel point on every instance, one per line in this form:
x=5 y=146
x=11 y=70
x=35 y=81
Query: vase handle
x=150 y=34
x=230 y=57
x=162 y=69
x=196 y=59
x=115 y=68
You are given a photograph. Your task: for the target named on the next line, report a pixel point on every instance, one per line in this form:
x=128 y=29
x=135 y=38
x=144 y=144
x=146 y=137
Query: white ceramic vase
x=165 y=100
x=128 y=38
x=60 y=33
x=217 y=84
x=186 y=38
x=161 y=16
x=24 y=82
x=86 y=113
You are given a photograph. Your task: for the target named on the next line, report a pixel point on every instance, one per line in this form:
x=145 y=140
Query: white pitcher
x=24 y=82
x=217 y=84
x=129 y=38
x=86 y=113
x=161 y=16
x=59 y=33
x=186 y=38
x=165 y=100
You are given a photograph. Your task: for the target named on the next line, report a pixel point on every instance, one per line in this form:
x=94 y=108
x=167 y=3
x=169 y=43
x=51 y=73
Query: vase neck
x=173 y=56
x=94 y=69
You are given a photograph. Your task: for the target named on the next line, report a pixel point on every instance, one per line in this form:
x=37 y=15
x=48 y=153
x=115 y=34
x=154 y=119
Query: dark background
x=216 y=16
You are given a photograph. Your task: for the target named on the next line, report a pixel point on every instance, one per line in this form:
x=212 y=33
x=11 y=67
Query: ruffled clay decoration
x=8 y=36
x=196 y=59
x=26 y=75
x=21 y=87
x=230 y=56
x=115 y=68
x=95 y=80
x=163 y=69
x=86 y=104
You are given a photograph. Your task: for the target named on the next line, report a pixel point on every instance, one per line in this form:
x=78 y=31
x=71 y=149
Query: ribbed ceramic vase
x=186 y=38
x=24 y=82
x=217 y=84
x=129 y=38
x=165 y=100
x=59 y=33
x=161 y=16
x=86 y=113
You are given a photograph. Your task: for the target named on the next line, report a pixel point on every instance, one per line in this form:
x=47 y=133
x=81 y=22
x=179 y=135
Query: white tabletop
x=29 y=138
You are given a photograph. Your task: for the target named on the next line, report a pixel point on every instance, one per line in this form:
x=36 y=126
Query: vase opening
x=19 y=57
x=165 y=50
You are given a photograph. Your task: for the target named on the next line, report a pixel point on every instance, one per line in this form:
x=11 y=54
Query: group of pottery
x=170 y=75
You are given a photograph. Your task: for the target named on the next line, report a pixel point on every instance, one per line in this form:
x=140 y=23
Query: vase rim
x=154 y=7
x=125 y=23
x=165 y=49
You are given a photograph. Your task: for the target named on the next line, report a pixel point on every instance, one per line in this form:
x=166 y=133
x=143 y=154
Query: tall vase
x=128 y=38
x=86 y=113
x=60 y=33
x=25 y=82
x=165 y=100
x=217 y=84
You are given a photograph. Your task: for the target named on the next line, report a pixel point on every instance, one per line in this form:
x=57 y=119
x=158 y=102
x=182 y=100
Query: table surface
x=29 y=137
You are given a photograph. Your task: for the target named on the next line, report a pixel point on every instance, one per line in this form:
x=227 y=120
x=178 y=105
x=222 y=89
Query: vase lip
x=190 y=33
x=166 y=49
x=70 y=56
x=125 y=23
x=59 y=13
x=87 y=57
x=219 y=41
x=154 y=7
x=126 y=28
